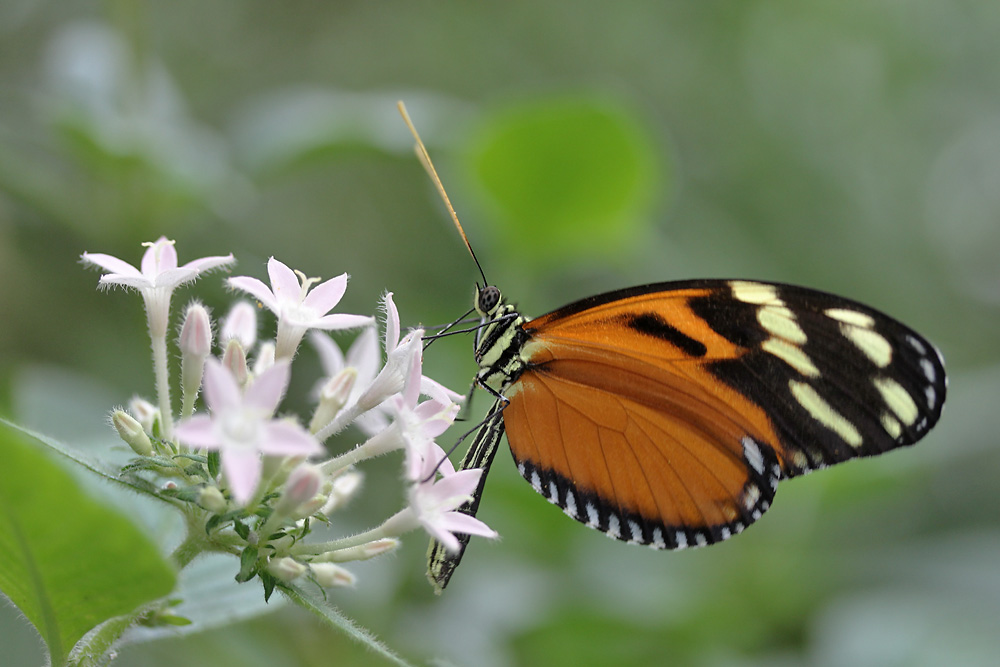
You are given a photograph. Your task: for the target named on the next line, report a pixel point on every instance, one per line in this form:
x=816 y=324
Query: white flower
x=241 y=425
x=298 y=307
x=157 y=278
x=433 y=505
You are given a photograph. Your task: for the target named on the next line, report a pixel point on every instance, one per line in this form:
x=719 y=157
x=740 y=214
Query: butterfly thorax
x=500 y=340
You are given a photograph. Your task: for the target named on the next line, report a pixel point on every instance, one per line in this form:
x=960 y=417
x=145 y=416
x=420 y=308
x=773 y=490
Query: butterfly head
x=488 y=299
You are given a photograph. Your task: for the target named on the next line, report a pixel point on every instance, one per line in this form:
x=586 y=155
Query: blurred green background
x=850 y=145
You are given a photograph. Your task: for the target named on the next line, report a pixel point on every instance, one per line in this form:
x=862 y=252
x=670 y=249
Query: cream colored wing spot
x=755 y=293
x=824 y=413
x=800 y=460
x=898 y=400
x=780 y=322
x=852 y=317
x=870 y=342
x=793 y=355
x=858 y=328
x=891 y=425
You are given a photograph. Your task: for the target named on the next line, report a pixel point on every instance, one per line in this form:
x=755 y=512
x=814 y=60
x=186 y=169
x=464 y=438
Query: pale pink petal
x=284 y=283
x=241 y=324
x=159 y=257
x=268 y=388
x=424 y=458
x=208 y=263
x=221 y=390
x=173 y=277
x=109 y=263
x=256 y=289
x=197 y=431
x=364 y=354
x=444 y=465
x=323 y=297
x=430 y=414
x=453 y=487
x=134 y=282
x=447 y=540
x=242 y=470
x=457 y=522
x=391 y=323
x=283 y=438
x=330 y=356
x=372 y=422
x=439 y=392
x=411 y=383
x=340 y=322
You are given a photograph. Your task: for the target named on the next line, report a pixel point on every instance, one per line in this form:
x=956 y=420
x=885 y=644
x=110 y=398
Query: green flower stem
x=386 y=441
x=401 y=522
x=163 y=386
x=198 y=542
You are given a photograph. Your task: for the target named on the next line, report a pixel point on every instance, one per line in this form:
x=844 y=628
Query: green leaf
x=69 y=563
x=269 y=581
x=567 y=177
x=248 y=564
x=214 y=463
x=241 y=529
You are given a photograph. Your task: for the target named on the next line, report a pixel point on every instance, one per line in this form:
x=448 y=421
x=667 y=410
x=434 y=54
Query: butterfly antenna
x=425 y=159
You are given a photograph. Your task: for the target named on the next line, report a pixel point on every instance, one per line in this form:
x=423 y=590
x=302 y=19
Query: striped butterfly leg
x=441 y=563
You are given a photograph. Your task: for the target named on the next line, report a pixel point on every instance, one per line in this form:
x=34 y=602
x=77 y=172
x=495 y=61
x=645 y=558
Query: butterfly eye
x=488 y=299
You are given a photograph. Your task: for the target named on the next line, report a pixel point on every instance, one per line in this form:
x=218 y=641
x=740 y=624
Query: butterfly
x=666 y=414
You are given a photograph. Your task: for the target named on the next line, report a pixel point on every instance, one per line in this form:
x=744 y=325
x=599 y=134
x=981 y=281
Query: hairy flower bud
x=144 y=412
x=332 y=397
x=302 y=486
x=212 y=499
x=329 y=575
x=235 y=359
x=286 y=569
x=132 y=433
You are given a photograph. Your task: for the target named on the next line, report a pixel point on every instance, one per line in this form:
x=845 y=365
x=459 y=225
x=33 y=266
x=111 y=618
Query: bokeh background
x=850 y=145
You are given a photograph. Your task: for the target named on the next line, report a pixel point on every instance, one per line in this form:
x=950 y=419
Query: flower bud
x=241 y=324
x=196 y=332
x=286 y=569
x=344 y=488
x=144 y=412
x=195 y=343
x=329 y=575
x=212 y=499
x=131 y=431
x=392 y=378
x=359 y=552
x=302 y=486
x=235 y=359
x=332 y=397
x=310 y=507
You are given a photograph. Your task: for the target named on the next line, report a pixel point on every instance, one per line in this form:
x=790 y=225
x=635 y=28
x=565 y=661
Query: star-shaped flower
x=157 y=277
x=242 y=426
x=434 y=505
x=298 y=307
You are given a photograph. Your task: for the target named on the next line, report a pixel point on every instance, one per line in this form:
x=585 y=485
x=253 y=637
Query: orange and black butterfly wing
x=666 y=414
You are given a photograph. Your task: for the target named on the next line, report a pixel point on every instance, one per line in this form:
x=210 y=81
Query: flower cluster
x=252 y=482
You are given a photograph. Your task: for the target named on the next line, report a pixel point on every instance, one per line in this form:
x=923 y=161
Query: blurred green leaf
x=69 y=562
x=568 y=177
